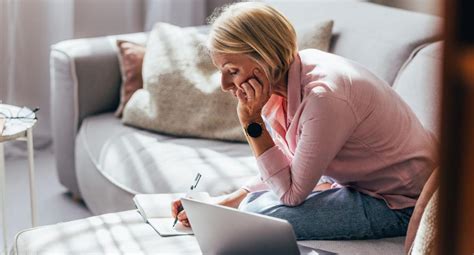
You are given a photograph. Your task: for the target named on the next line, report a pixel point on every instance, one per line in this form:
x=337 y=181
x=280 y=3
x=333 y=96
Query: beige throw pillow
x=181 y=92
x=426 y=195
x=425 y=240
x=318 y=36
x=181 y=89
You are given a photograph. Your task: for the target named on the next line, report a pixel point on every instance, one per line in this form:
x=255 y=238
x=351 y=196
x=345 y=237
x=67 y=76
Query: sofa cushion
x=139 y=161
x=419 y=84
x=126 y=233
x=181 y=92
x=425 y=241
x=318 y=37
x=421 y=204
x=130 y=56
x=380 y=38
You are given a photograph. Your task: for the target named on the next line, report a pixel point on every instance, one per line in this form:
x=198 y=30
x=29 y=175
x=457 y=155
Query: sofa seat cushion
x=126 y=233
x=138 y=161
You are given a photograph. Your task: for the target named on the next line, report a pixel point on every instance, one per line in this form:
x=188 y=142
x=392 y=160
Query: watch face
x=254 y=129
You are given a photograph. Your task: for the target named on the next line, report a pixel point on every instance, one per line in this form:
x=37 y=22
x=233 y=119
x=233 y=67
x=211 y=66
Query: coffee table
x=19 y=122
x=127 y=233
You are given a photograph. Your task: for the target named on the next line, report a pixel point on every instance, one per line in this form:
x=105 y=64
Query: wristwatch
x=254 y=129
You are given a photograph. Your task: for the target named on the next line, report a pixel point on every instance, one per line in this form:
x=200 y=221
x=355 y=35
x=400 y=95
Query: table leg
x=29 y=137
x=2 y=199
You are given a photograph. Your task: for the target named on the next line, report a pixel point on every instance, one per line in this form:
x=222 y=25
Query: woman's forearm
x=234 y=199
x=259 y=145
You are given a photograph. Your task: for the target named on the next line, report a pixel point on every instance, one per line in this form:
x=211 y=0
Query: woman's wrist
x=247 y=120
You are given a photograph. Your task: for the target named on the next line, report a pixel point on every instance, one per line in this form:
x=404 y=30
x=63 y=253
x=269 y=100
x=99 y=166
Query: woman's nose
x=226 y=84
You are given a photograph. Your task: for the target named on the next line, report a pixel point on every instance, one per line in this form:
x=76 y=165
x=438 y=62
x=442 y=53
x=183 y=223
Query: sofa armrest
x=85 y=80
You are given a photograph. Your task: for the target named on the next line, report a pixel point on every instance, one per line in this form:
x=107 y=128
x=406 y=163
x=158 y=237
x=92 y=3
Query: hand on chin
x=252 y=96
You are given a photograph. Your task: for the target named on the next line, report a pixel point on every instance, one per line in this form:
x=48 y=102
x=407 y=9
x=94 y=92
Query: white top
x=17 y=121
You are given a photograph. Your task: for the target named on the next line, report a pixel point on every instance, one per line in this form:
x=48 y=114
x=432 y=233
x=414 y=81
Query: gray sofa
x=106 y=163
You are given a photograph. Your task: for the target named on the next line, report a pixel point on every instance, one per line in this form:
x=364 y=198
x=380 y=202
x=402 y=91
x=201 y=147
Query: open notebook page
x=156 y=205
x=156 y=210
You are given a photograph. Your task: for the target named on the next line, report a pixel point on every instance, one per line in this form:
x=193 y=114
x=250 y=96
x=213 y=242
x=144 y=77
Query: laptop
x=224 y=230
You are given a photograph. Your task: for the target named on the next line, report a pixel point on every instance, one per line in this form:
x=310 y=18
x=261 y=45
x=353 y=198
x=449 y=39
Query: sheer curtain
x=177 y=12
x=29 y=27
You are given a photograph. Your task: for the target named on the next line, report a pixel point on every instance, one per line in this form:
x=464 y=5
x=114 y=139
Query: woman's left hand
x=253 y=95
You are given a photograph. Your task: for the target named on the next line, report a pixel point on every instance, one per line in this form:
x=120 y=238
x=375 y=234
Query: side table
x=19 y=122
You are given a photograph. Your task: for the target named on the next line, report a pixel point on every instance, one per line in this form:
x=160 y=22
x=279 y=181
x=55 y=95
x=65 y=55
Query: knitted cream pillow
x=318 y=36
x=424 y=242
x=181 y=92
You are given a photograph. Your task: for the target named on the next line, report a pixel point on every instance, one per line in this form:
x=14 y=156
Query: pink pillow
x=130 y=57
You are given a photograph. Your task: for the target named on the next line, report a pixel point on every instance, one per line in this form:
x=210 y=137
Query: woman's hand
x=231 y=200
x=177 y=209
x=253 y=95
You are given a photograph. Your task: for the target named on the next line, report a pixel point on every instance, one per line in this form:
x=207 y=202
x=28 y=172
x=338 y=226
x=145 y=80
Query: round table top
x=17 y=121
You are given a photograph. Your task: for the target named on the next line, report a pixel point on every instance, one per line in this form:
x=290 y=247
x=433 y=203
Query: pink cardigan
x=341 y=121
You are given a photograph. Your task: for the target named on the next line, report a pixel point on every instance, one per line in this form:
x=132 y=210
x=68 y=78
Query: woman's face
x=236 y=69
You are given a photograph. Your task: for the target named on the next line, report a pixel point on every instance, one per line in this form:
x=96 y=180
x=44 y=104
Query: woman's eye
x=231 y=72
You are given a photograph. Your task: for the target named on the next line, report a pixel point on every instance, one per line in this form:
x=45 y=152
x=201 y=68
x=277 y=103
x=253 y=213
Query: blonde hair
x=258 y=30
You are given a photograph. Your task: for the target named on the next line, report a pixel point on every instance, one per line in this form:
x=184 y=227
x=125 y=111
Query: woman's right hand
x=231 y=200
x=177 y=209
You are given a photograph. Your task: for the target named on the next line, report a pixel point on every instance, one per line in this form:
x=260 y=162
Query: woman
x=327 y=116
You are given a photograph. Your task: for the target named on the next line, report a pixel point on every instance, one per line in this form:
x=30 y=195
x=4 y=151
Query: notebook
x=156 y=211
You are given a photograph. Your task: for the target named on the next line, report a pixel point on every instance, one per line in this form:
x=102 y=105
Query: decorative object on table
x=130 y=56
x=16 y=120
x=17 y=124
x=181 y=94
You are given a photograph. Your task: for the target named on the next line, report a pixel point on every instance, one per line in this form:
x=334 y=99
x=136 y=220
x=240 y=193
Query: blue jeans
x=334 y=214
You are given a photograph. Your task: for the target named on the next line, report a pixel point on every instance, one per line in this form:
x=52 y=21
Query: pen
x=196 y=181
x=176 y=219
